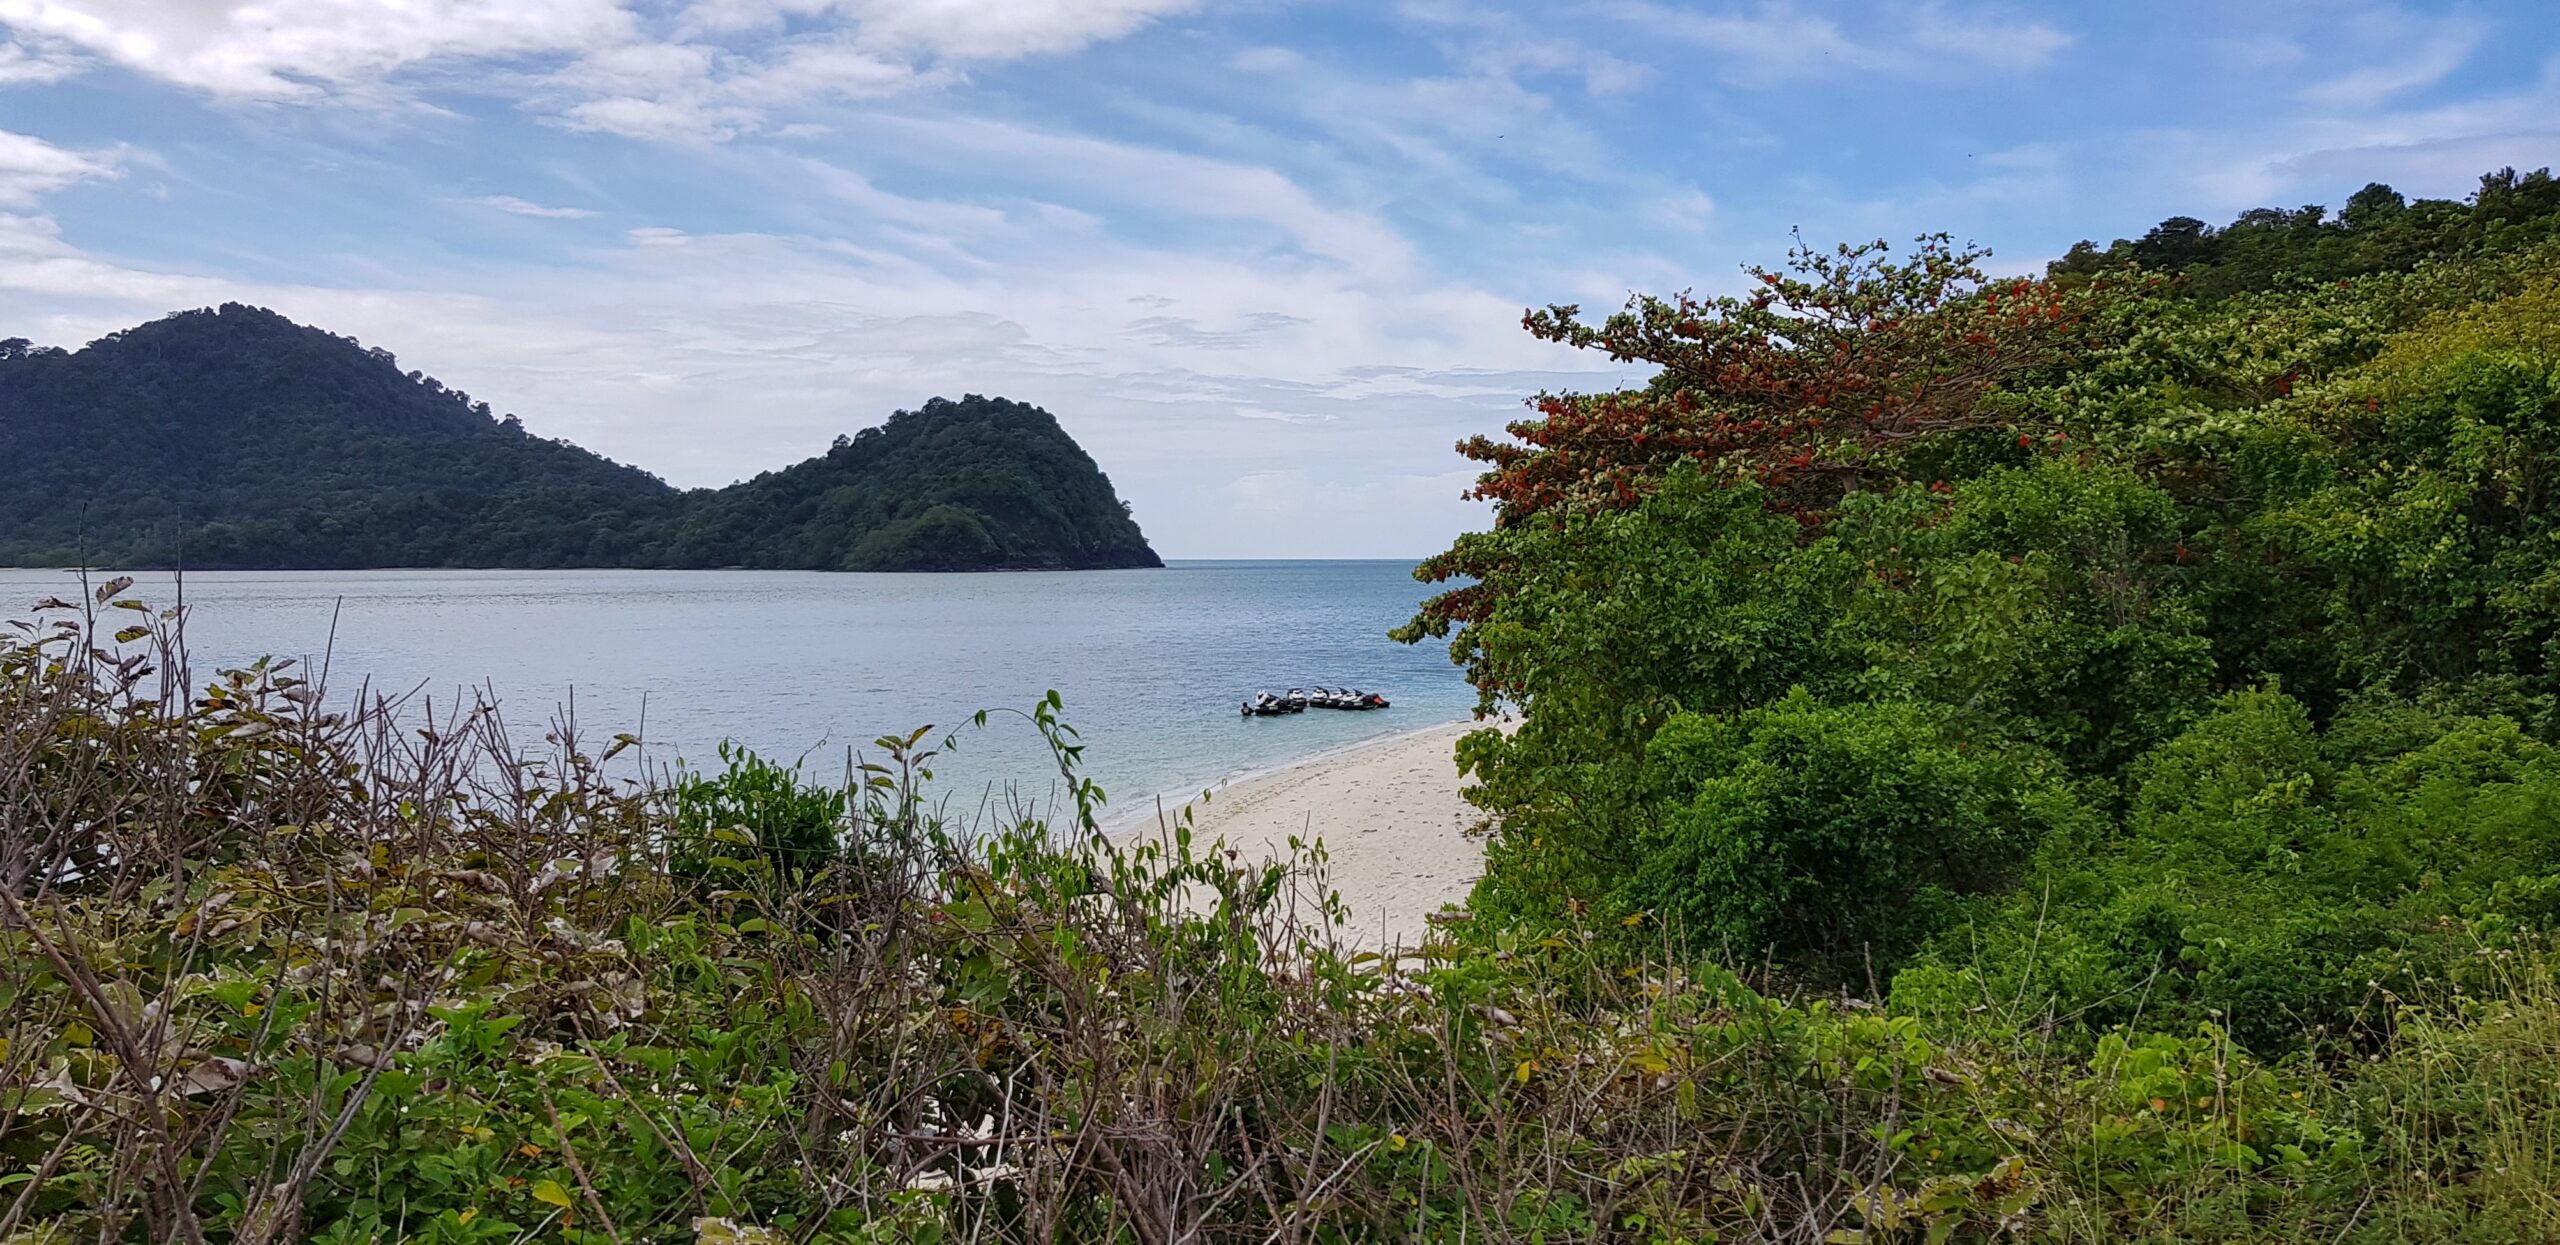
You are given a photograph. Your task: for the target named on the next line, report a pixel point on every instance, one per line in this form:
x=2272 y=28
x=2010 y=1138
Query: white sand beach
x=1389 y=814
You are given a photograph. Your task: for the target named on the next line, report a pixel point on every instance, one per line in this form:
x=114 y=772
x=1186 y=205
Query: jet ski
x=1268 y=705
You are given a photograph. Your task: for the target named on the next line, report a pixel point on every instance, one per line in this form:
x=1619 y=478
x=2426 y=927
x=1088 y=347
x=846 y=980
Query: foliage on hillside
x=2379 y=230
x=271 y=973
x=950 y=486
x=2195 y=666
x=263 y=443
x=236 y=438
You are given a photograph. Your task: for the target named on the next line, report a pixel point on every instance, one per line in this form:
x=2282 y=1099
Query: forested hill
x=954 y=485
x=235 y=438
x=259 y=442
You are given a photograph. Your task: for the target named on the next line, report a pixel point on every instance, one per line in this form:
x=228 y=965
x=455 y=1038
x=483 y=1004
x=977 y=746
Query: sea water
x=1150 y=665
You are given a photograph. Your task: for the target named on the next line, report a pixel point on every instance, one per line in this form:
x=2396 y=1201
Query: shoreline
x=1389 y=811
x=1164 y=804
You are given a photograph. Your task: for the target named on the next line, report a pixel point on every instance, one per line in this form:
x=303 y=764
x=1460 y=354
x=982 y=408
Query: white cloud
x=652 y=90
x=290 y=49
x=680 y=118
x=1442 y=138
x=1780 y=42
x=1352 y=515
x=31 y=167
x=71 y=297
x=526 y=207
x=958 y=29
x=627 y=72
x=1244 y=332
x=702 y=91
x=641 y=68
x=1601 y=73
x=1154 y=178
x=1268 y=60
x=2446 y=166
x=2116 y=183
x=2444 y=146
x=1502 y=44
x=21 y=65
x=1774 y=43
x=2258 y=53
x=1985 y=38
x=2415 y=53
x=1002 y=29
x=830 y=68
x=934 y=214
x=1685 y=210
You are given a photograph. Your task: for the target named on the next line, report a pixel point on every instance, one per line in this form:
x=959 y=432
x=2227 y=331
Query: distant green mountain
x=953 y=486
x=237 y=439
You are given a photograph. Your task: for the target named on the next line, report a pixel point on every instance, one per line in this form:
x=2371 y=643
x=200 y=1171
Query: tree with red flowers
x=1809 y=385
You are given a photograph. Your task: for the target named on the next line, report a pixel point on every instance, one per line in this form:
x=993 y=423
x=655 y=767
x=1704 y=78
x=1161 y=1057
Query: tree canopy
x=2379 y=230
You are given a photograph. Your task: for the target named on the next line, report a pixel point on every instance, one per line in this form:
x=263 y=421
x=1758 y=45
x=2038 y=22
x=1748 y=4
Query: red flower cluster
x=1842 y=354
x=1797 y=386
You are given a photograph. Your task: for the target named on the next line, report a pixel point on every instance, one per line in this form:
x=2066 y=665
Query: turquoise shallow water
x=1151 y=664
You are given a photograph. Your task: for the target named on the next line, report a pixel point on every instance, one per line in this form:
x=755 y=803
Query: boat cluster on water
x=1299 y=700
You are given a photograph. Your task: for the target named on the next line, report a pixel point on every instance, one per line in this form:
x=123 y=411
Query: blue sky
x=1265 y=258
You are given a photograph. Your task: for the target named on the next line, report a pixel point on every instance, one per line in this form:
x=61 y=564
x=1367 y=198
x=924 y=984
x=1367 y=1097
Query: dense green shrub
x=2273 y=877
x=752 y=807
x=1831 y=831
x=2045 y=602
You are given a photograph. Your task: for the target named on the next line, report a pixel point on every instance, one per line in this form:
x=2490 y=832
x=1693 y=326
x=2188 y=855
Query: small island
x=235 y=439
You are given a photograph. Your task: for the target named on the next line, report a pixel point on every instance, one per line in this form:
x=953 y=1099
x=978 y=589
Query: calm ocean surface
x=1151 y=664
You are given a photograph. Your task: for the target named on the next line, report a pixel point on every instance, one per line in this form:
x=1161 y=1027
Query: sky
x=1265 y=259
